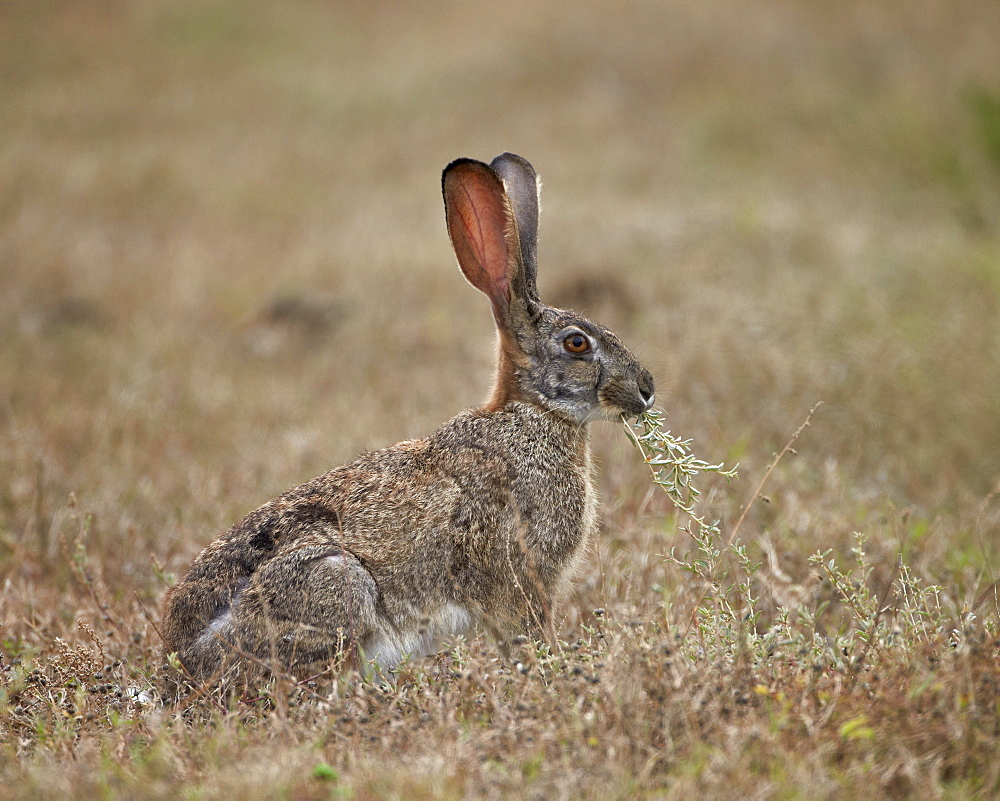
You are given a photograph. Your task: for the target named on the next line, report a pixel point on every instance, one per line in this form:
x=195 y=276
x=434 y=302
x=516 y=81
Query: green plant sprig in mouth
x=670 y=460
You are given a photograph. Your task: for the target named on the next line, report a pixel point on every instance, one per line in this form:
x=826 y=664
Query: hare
x=481 y=524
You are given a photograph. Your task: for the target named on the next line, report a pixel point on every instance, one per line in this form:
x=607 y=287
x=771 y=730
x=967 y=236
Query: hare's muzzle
x=629 y=394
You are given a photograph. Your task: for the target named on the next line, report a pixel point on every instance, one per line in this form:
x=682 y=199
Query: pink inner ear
x=477 y=222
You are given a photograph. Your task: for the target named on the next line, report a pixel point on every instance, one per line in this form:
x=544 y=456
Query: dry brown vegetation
x=224 y=270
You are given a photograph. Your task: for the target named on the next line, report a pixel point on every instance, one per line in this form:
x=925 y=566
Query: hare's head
x=552 y=358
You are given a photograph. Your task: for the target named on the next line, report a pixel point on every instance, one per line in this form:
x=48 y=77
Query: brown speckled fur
x=479 y=524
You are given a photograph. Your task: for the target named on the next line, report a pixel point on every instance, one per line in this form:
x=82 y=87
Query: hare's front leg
x=303 y=610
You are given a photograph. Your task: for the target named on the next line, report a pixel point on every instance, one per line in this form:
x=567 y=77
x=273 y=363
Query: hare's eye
x=576 y=343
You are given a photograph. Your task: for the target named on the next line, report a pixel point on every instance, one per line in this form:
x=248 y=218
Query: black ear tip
x=466 y=163
x=462 y=161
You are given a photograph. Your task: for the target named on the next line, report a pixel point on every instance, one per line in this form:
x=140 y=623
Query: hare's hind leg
x=306 y=609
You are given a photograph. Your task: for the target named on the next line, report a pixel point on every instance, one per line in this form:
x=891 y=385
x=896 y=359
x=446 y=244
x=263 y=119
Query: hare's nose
x=646 y=389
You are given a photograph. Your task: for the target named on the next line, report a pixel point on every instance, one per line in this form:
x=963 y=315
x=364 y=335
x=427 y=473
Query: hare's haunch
x=479 y=524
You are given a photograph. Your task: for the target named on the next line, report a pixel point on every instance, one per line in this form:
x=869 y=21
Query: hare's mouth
x=618 y=400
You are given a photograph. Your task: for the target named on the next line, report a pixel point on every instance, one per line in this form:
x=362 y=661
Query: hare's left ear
x=483 y=232
x=523 y=190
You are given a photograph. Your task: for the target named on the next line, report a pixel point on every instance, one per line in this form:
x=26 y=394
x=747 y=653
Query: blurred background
x=224 y=264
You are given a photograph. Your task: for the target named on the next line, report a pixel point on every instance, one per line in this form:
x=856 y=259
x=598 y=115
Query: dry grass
x=225 y=270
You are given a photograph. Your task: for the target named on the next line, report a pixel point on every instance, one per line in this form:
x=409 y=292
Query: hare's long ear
x=483 y=232
x=523 y=189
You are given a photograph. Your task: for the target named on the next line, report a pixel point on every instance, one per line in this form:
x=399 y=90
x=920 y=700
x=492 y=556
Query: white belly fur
x=388 y=647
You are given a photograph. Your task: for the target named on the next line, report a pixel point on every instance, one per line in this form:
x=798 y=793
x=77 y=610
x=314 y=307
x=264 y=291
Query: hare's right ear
x=523 y=189
x=483 y=233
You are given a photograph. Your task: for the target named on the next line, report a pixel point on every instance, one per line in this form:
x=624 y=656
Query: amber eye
x=576 y=343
